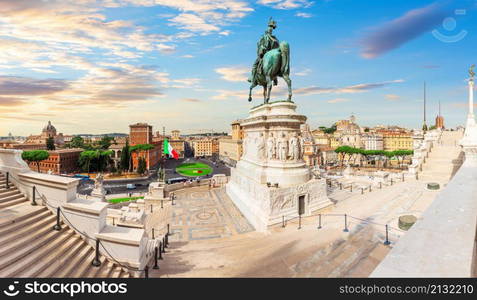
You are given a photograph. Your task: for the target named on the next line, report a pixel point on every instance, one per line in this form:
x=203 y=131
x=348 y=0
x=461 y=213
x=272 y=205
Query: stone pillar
x=471 y=99
x=469 y=141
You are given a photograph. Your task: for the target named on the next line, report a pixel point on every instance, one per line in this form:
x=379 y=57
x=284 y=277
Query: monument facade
x=271 y=181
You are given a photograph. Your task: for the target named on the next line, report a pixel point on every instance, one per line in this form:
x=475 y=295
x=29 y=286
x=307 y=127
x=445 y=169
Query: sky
x=96 y=66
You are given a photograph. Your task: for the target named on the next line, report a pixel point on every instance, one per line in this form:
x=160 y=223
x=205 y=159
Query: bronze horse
x=275 y=63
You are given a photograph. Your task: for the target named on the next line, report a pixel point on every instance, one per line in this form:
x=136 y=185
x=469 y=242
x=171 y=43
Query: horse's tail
x=285 y=50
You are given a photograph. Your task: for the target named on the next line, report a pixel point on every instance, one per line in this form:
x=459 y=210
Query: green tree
x=95 y=160
x=77 y=142
x=327 y=130
x=85 y=159
x=342 y=152
x=139 y=149
x=35 y=156
x=105 y=142
x=50 y=143
x=125 y=157
x=141 y=166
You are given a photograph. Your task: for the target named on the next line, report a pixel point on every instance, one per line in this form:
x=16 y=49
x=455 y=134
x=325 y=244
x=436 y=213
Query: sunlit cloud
x=235 y=73
x=392 y=97
x=286 y=4
x=338 y=100
x=303 y=15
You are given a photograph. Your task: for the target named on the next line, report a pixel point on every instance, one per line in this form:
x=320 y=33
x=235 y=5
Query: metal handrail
x=45 y=201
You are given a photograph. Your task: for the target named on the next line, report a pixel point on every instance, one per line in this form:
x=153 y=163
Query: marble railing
x=443 y=242
x=127 y=246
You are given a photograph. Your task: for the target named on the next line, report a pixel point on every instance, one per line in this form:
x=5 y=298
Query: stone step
x=77 y=260
x=21 y=241
x=106 y=270
x=8 y=192
x=40 y=257
x=62 y=259
x=13 y=202
x=30 y=228
x=83 y=268
x=11 y=197
x=9 y=221
x=19 y=225
x=16 y=253
x=94 y=272
x=116 y=273
x=3 y=189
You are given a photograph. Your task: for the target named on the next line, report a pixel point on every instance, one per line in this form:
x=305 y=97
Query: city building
x=372 y=141
x=141 y=133
x=393 y=141
x=230 y=147
x=175 y=135
x=202 y=147
x=117 y=148
x=348 y=126
x=205 y=146
x=321 y=138
x=59 y=162
x=49 y=131
x=311 y=154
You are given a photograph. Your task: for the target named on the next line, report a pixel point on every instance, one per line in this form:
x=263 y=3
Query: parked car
x=130 y=186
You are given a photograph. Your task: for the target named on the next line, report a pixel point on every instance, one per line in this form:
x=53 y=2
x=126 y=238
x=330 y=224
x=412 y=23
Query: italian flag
x=169 y=150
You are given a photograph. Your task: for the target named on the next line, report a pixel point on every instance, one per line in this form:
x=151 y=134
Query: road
x=119 y=187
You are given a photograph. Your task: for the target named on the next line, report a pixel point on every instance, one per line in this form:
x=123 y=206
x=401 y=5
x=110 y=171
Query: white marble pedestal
x=271 y=180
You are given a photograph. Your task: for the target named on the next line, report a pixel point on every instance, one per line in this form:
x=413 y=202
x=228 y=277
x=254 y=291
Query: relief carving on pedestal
x=294 y=147
x=282 y=147
x=260 y=142
x=271 y=147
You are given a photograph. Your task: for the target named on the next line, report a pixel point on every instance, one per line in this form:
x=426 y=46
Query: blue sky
x=99 y=65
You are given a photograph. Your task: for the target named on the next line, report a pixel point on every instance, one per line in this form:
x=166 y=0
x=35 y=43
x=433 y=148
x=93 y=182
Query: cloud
x=281 y=91
x=11 y=101
x=395 y=33
x=286 y=4
x=13 y=85
x=352 y=89
x=193 y=23
x=338 y=100
x=193 y=100
x=392 y=97
x=304 y=72
x=235 y=73
x=303 y=15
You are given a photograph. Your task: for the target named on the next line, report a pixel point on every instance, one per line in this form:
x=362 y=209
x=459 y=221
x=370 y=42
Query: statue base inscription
x=271 y=180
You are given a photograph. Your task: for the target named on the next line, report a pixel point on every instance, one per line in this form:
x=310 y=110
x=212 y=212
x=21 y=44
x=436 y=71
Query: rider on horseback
x=267 y=42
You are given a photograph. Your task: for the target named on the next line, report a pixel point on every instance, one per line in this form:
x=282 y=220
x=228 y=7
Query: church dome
x=49 y=127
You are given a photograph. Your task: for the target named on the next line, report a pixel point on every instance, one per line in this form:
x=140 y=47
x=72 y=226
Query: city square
x=212 y=140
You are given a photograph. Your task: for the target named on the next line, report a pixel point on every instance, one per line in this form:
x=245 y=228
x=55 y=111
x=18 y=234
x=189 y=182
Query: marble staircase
x=30 y=247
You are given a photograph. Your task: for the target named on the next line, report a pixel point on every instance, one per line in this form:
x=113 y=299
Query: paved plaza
x=200 y=214
x=210 y=238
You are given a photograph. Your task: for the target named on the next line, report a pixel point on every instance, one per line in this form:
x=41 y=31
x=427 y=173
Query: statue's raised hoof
x=249 y=99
